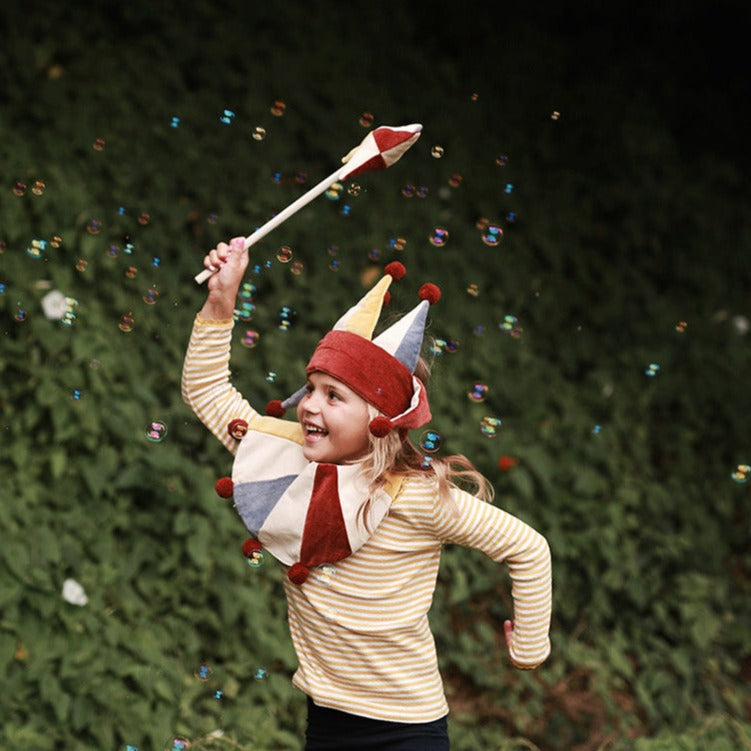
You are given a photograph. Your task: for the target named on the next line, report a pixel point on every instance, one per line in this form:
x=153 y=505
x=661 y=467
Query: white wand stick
x=378 y=150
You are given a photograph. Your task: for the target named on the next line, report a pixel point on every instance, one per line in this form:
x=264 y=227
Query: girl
x=344 y=485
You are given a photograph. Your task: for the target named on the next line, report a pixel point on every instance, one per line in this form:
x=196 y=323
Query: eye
x=333 y=395
x=308 y=388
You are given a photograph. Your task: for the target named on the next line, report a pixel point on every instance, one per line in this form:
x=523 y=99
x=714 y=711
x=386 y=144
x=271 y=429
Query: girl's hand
x=508 y=630
x=229 y=262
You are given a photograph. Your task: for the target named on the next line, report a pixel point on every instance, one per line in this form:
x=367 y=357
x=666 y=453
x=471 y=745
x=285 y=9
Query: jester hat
x=380 y=370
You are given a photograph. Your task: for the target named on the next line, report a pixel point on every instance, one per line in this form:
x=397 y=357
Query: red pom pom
x=237 y=428
x=224 y=487
x=250 y=546
x=298 y=573
x=380 y=426
x=430 y=292
x=386 y=297
x=395 y=270
x=274 y=408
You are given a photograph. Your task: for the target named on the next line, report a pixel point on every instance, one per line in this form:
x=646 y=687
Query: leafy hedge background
x=622 y=200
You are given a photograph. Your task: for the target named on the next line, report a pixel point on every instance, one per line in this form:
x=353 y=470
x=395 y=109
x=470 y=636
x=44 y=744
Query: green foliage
x=619 y=238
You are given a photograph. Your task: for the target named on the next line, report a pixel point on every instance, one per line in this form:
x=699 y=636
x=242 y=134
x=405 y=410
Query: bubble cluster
x=510 y=325
x=36 y=249
x=489 y=426
x=430 y=441
x=156 y=431
x=741 y=474
x=287 y=316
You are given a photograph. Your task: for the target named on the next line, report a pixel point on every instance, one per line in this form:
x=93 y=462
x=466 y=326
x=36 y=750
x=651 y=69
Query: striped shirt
x=360 y=627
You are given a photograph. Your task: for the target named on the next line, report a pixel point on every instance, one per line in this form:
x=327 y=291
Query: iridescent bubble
x=212 y=218
x=203 y=672
x=430 y=441
x=366 y=119
x=345 y=210
x=155 y=262
x=511 y=217
x=301 y=177
x=226 y=117
x=144 y=218
x=455 y=180
x=81 y=264
x=438 y=347
x=478 y=330
x=150 y=296
x=156 y=431
x=334 y=264
x=325 y=573
x=489 y=426
x=508 y=188
x=652 y=370
x=492 y=235
x=681 y=326
x=261 y=674
x=741 y=474
x=255 y=559
x=270 y=377
x=596 y=430
x=131 y=272
x=99 y=144
x=259 y=133
x=218 y=694
x=482 y=223
x=477 y=392
x=3 y=246
x=76 y=395
x=474 y=97
x=69 y=317
x=2 y=288
x=439 y=237
x=36 y=249
x=250 y=339
x=19 y=189
x=397 y=243
x=334 y=193
x=284 y=254
x=508 y=323
x=130 y=747
x=19 y=315
x=408 y=190
x=374 y=254
x=333 y=250
x=245 y=311
x=247 y=291
x=297 y=268
x=501 y=160
x=555 y=115
x=178 y=744
x=473 y=290
x=452 y=346
x=422 y=191
x=436 y=152
x=126 y=323
x=38 y=187
x=113 y=250
x=175 y=122
x=94 y=227
x=278 y=107
x=426 y=461
x=287 y=317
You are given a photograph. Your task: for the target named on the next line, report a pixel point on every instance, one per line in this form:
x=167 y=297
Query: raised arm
x=206 y=387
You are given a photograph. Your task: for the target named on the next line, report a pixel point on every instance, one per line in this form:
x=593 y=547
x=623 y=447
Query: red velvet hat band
x=366 y=368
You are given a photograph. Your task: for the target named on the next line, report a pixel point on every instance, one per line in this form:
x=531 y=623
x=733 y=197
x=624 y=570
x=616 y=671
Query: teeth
x=313 y=429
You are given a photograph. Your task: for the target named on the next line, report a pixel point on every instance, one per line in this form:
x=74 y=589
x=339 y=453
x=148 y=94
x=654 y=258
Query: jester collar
x=304 y=513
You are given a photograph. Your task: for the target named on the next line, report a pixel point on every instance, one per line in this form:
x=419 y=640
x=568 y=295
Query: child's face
x=334 y=420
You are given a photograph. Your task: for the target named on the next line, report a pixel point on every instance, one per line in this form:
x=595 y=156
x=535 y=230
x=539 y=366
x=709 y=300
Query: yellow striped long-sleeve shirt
x=360 y=627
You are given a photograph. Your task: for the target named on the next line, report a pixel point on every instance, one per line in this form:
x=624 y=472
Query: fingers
x=508 y=630
x=217 y=257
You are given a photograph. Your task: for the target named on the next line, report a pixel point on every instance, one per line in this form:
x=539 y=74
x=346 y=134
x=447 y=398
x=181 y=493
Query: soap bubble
x=437 y=152
x=203 y=672
x=19 y=189
x=126 y=323
x=408 y=190
x=555 y=115
x=38 y=187
x=177 y=744
x=489 y=426
x=259 y=133
x=477 y=392
x=438 y=237
x=501 y=160
x=741 y=474
x=455 y=180
x=492 y=235
x=366 y=119
x=94 y=227
x=156 y=431
x=175 y=122
x=99 y=144
x=287 y=316
x=333 y=193
x=652 y=370
x=36 y=249
x=261 y=674
x=422 y=191
x=508 y=188
x=284 y=254
x=250 y=339
x=255 y=559
x=226 y=117
x=245 y=311
x=430 y=441
x=473 y=290
x=297 y=268
x=278 y=107
x=397 y=243
x=681 y=326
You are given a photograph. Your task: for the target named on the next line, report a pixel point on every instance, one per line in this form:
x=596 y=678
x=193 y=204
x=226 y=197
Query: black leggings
x=332 y=730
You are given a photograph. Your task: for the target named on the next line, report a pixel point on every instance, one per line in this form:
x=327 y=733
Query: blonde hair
x=397 y=454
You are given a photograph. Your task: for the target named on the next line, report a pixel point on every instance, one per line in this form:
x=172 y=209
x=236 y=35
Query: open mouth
x=314 y=433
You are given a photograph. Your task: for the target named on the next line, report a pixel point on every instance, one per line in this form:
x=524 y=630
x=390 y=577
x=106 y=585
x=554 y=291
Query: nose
x=310 y=403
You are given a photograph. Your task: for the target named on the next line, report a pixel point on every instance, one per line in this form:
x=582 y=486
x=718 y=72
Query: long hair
x=396 y=453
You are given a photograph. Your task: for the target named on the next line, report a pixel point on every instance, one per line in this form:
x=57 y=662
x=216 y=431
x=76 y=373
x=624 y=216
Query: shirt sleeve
x=205 y=384
x=474 y=523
